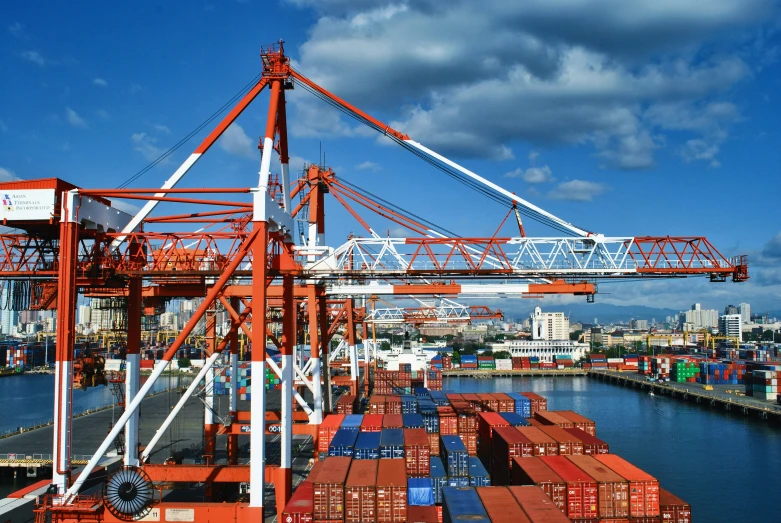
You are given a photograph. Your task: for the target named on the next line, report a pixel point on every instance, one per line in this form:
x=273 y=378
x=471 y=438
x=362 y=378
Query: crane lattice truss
x=243 y=257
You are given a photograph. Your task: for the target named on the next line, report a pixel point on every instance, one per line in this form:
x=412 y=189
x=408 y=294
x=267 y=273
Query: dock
x=719 y=397
x=492 y=373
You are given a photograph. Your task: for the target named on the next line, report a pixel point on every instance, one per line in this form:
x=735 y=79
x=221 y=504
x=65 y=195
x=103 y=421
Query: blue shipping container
x=438 y=478
x=478 y=476
x=352 y=421
x=462 y=504
x=453 y=481
x=412 y=421
x=523 y=405
x=421 y=391
x=515 y=420
x=343 y=442
x=454 y=456
x=409 y=404
x=367 y=446
x=391 y=444
x=420 y=492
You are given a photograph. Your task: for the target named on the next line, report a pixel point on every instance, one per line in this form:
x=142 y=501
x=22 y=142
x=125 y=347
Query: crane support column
x=209 y=428
x=284 y=483
x=233 y=407
x=66 y=330
x=314 y=353
x=353 y=351
x=258 y=369
x=322 y=311
x=133 y=367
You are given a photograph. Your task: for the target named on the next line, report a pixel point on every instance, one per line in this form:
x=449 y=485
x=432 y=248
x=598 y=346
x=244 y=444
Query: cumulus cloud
x=236 y=142
x=16 y=29
x=34 y=57
x=146 y=145
x=577 y=191
x=161 y=128
x=7 y=175
x=582 y=72
x=100 y=82
x=368 y=166
x=73 y=118
x=532 y=174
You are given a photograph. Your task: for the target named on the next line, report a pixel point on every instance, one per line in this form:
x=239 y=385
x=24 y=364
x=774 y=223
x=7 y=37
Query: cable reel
x=129 y=494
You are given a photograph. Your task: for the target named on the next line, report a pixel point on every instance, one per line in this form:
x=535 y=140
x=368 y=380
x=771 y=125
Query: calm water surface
x=725 y=466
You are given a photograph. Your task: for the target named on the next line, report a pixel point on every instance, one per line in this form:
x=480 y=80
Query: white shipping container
x=504 y=364
x=615 y=360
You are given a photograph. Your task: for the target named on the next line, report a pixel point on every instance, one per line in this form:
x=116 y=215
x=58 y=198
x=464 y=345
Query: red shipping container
x=474 y=401
x=673 y=508
x=422 y=514
x=538 y=402
x=371 y=423
x=537 y=505
x=377 y=404
x=470 y=442
x=581 y=488
x=448 y=422
x=392 y=421
x=550 y=417
x=329 y=488
x=327 y=430
x=391 y=491
x=485 y=422
x=580 y=422
x=506 y=403
x=542 y=444
x=360 y=492
x=300 y=508
x=488 y=402
x=454 y=397
x=433 y=443
x=346 y=404
x=643 y=488
x=506 y=444
x=591 y=444
x=612 y=489
x=417 y=453
x=568 y=444
x=393 y=405
x=501 y=505
x=532 y=471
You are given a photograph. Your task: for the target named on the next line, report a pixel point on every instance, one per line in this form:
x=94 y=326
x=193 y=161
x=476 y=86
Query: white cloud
x=146 y=145
x=8 y=176
x=161 y=128
x=368 y=166
x=100 y=82
x=16 y=29
x=34 y=57
x=236 y=142
x=532 y=174
x=578 y=72
x=73 y=118
x=577 y=191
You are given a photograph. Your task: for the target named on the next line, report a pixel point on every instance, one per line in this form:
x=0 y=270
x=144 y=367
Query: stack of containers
x=542 y=444
x=506 y=403
x=447 y=362
x=454 y=456
x=271 y=381
x=392 y=444
x=721 y=373
x=563 y=361
x=523 y=405
x=591 y=444
x=347 y=404
x=503 y=364
x=580 y=422
x=474 y=401
x=489 y=402
x=436 y=362
x=468 y=362
x=391 y=491
x=485 y=362
x=644 y=365
x=435 y=379
x=371 y=423
x=326 y=432
x=377 y=404
x=660 y=368
x=343 y=443
x=393 y=404
x=515 y=420
x=501 y=506
x=466 y=422
x=533 y=471
x=478 y=476
x=438 y=478
x=614 y=363
x=537 y=402
x=439 y=398
x=534 y=362
x=597 y=361
x=673 y=508
x=486 y=422
x=360 y=493
x=506 y=444
x=521 y=363
x=568 y=445
x=684 y=371
x=612 y=489
x=367 y=446
x=409 y=404
x=631 y=360
x=581 y=488
x=764 y=384
x=537 y=505
x=550 y=417
x=328 y=489
x=643 y=488
x=417 y=453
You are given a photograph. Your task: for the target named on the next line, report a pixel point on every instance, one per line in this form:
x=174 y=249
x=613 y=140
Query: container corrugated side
x=300 y=507
x=367 y=446
x=643 y=488
x=391 y=491
x=392 y=444
x=581 y=488
x=329 y=488
x=422 y=515
x=580 y=422
x=533 y=471
x=438 y=478
x=591 y=444
x=486 y=421
x=506 y=444
x=417 y=453
x=462 y=504
x=569 y=445
x=543 y=444
x=501 y=506
x=360 y=492
x=537 y=505
x=673 y=509
x=612 y=489
x=478 y=476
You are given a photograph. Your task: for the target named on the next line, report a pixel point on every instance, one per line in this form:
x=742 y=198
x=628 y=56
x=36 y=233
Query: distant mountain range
x=604 y=312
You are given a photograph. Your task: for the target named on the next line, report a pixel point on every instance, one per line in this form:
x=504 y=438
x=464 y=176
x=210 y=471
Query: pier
x=719 y=397
x=492 y=373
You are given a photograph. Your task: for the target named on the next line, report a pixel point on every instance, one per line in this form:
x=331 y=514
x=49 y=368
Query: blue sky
x=654 y=118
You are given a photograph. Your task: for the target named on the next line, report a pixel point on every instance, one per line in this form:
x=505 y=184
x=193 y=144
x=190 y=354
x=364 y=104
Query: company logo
x=8 y=204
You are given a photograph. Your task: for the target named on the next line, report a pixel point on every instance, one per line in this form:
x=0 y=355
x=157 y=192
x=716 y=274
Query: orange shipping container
x=360 y=492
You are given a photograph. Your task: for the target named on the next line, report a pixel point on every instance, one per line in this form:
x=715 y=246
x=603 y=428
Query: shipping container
x=300 y=507
x=367 y=446
x=539 y=508
x=486 y=421
x=523 y=405
x=591 y=444
x=327 y=431
x=515 y=420
x=438 y=478
x=673 y=509
x=474 y=401
x=457 y=482
x=462 y=504
x=454 y=456
x=417 y=453
x=433 y=443
x=392 y=421
x=392 y=444
x=391 y=491
x=420 y=492
x=506 y=403
x=533 y=471
x=371 y=423
x=360 y=492
x=501 y=506
x=343 y=443
x=612 y=489
x=550 y=417
x=568 y=444
x=448 y=422
x=643 y=488
x=412 y=421
x=506 y=444
x=470 y=442
x=329 y=489
x=581 y=488
x=489 y=402
x=347 y=404
x=417 y=514
x=478 y=476
x=580 y=422
x=542 y=444
x=537 y=402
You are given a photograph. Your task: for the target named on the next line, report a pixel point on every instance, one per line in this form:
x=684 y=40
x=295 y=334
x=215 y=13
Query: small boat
x=651 y=393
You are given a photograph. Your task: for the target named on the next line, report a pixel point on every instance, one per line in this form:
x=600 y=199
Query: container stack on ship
x=434 y=457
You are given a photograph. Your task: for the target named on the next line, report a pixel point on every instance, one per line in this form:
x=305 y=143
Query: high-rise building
x=745 y=312
x=699 y=318
x=731 y=325
x=85 y=315
x=9 y=318
x=549 y=325
x=641 y=325
x=731 y=309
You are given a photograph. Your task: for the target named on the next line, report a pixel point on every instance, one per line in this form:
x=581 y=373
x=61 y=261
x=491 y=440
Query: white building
x=700 y=318
x=549 y=325
x=169 y=320
x=730 y=325
x=85 y=315
x=543 y=349
x=745 y=312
